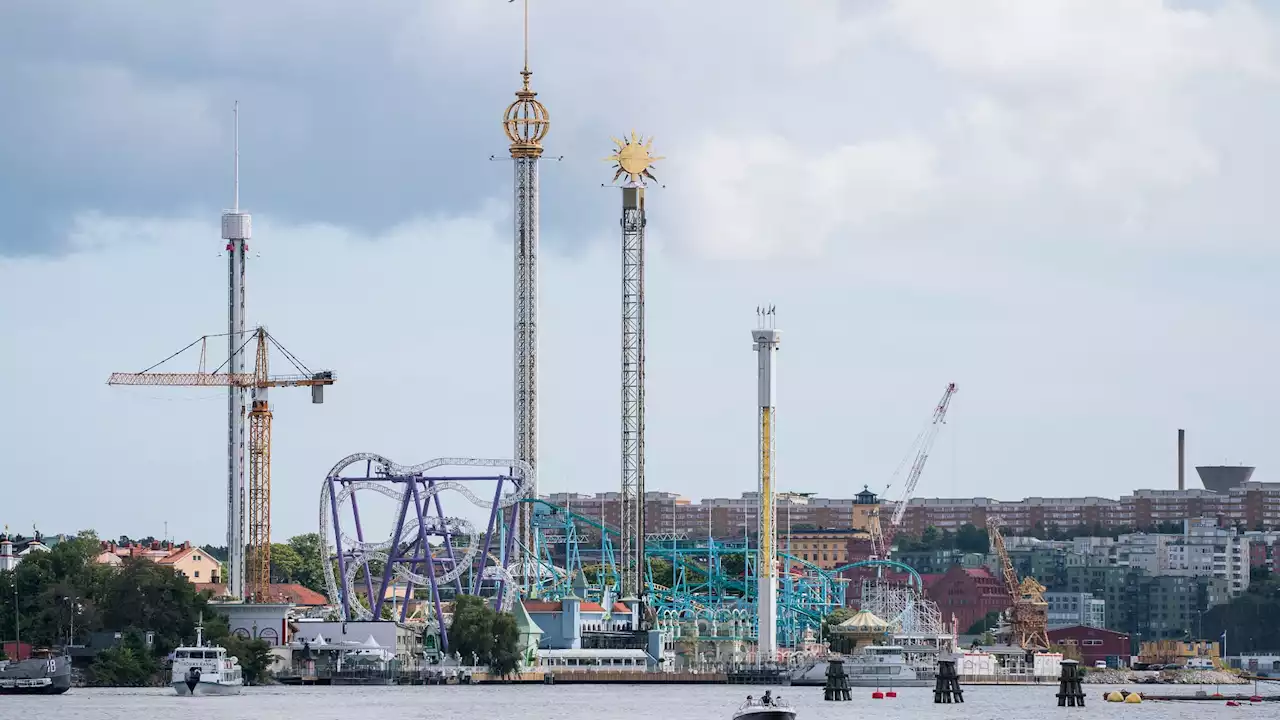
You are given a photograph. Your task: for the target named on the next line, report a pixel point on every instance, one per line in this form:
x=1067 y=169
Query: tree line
x=52 y=590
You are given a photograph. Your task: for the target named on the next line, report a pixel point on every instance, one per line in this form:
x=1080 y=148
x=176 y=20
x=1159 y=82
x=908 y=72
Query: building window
x=1091 y=642
x=198 y=558
x=197 y=573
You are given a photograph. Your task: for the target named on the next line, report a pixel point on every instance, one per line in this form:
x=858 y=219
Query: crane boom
x=881 y=537
x=199 y=379
x=917 y=467
x=259 y=381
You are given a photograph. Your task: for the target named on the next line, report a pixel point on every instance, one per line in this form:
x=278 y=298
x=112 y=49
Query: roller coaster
x=696 y=589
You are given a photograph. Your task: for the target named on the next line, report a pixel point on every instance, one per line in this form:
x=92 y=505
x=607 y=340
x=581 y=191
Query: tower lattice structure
x=633 y=342
x=633 y=159
x=526 y=123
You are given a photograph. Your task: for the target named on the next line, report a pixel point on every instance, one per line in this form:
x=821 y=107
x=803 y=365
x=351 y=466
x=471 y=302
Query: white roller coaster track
x=358 y=553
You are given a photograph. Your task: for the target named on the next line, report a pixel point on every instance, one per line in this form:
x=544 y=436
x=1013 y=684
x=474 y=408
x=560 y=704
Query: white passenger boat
x=205 y=670
x=877 y=666
x=766 y=707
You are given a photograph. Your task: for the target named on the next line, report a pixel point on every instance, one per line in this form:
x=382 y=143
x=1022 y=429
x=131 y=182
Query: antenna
x=235 y=111
x=526 y=35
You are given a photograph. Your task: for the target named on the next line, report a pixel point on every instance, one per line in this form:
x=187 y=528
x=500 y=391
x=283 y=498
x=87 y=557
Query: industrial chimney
x=1182 y=459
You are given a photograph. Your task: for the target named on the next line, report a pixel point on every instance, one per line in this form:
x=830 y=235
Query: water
x=592 y=702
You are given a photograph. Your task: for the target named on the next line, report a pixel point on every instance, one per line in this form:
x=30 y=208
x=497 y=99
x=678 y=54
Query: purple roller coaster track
x=426 y=548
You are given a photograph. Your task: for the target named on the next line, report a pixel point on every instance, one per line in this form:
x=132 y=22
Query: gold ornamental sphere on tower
x=526 y=121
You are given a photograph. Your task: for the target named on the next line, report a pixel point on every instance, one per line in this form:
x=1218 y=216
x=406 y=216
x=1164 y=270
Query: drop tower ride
x=526 y=124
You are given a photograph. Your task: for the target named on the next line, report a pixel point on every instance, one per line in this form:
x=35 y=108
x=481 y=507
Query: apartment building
x=1072 y=609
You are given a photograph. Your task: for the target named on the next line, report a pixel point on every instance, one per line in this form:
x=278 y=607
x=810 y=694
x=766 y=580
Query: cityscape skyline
x=1076 y=232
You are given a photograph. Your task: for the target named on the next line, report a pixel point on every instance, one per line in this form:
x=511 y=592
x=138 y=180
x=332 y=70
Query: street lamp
x=73 y=607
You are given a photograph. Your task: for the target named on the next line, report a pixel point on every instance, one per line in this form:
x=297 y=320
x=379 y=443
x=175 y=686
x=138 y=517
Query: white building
x=1206 y=549
x=1068 y=609
x=1202 y=550
x=10 y=556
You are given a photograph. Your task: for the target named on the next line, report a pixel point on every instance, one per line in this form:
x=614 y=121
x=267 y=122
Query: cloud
x=760 y=197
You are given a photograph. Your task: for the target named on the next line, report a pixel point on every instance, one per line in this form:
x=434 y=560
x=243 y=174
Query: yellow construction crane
x=258 y=572
x=1029 y=616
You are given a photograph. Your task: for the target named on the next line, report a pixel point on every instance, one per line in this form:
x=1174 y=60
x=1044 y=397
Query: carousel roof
x=863 y=621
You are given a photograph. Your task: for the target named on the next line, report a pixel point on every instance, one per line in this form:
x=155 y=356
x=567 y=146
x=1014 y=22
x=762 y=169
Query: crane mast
x=1029 y=614
x=880 y=540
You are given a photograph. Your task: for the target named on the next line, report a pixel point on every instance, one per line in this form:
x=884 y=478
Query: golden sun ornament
x=633 y=158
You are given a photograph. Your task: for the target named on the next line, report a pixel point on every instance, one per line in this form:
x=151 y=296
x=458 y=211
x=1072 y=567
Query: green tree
x=970 y=539
x=662 y=571
x=130 y=665
x=481 y=634
x=987 y=622
x=930 y=537
x=255 y=658
x=312 y=556
x=285 y=563
x=839 y=643
x=472 y=630
x=504 y=659
x=146 y=596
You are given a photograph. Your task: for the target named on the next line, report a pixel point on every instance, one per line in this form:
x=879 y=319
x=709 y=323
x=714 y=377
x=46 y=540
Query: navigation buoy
x=877 y=695
x=1133 y=698
x=891 y=694
x=1115 y=696
x=1232 y=703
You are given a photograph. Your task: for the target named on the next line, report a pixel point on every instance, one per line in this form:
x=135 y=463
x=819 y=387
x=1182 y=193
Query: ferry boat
x=766 y=707
x=878 y=666
x=205 y=670
x=44 y=673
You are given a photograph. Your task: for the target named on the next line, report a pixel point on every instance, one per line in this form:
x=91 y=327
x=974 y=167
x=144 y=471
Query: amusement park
x=585 y=589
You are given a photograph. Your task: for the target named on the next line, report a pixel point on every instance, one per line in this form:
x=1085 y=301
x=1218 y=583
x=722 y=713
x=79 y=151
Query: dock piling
x=946 y=687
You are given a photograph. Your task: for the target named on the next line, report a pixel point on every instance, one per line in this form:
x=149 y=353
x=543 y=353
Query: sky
x=1060 y=206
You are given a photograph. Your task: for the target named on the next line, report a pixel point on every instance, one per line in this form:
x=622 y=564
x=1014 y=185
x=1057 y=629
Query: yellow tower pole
x=767 y=339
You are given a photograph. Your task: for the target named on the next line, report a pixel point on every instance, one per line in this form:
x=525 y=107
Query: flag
x=1224 y=637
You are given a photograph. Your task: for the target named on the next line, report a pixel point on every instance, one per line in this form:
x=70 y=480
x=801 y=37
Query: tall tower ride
x=526 y=124
x=767 y=338
x=237 y=228
x=633 y=159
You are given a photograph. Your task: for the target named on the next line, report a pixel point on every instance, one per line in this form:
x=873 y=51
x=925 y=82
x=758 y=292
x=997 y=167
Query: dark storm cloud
x=356 y=118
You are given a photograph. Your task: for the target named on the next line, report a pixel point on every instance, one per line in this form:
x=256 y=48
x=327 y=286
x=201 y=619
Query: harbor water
x=591 y=702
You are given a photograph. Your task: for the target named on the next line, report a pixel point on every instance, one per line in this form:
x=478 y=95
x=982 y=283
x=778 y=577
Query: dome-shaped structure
x=863 y=621
x=864 y=628
x=526 y=122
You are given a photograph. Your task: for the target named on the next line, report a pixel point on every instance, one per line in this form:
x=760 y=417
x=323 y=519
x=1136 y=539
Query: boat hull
x=57 y=687
x=204 y=688
x=816 y=676
x=39 y=676
x=766 y=714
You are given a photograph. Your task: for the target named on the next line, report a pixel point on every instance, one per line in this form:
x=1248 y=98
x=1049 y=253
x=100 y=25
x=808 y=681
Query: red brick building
x=1093 y=643
x=968 y=593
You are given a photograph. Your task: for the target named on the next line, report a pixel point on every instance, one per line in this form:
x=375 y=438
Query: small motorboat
x=766 y=707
